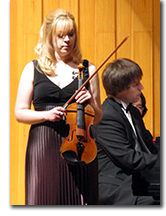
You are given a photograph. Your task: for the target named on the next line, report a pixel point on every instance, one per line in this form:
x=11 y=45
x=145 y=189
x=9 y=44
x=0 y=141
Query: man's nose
x=141 y=86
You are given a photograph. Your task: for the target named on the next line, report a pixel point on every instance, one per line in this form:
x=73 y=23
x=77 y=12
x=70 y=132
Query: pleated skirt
x=49 y=180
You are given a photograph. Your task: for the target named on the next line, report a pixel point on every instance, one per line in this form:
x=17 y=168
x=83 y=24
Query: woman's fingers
x=83 y=96
x=56 y=114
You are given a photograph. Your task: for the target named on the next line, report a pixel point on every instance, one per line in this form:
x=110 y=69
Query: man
x=121 y=138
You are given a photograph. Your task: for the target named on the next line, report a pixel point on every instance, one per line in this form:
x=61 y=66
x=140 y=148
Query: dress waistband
x=46 y=108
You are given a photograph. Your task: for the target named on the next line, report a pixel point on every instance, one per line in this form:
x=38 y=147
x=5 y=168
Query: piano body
x=147 y=183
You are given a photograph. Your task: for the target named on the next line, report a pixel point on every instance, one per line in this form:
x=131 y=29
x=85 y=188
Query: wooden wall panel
x=142 y=15
x=31 y=16
x=70 y=5
x=102 y=24
x=103 y=49
x=156 y=67
x=105 y=16
x=15 y=32
x=105 y=35
x=25 y=22
x=124 y=28
x=144 y=47
x=87 y=29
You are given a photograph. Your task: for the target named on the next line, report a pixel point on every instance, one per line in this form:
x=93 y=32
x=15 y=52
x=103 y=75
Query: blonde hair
x=45 y=47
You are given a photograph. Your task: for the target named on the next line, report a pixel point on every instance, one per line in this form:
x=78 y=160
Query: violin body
x=79 y=146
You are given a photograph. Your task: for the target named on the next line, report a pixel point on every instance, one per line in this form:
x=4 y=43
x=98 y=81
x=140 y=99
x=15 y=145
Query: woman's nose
x=66 y=38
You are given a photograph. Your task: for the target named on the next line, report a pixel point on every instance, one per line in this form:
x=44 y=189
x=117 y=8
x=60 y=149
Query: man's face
x=132 y=94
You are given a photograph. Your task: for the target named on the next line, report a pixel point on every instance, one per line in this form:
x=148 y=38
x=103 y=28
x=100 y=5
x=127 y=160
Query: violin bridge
x=80 y=149
x=81 y=134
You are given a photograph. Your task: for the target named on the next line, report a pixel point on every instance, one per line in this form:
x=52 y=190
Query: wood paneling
x=124 y=27
x=70 y=5
x=156 y=67
x=102 y=24
x=104 y=35
x=87 y=29
x=25 y=22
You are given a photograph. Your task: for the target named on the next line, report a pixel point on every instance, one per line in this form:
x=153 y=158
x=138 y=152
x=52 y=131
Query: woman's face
x=64 y=41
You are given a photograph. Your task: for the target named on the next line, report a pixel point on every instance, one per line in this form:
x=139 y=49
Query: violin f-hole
x=71 y=137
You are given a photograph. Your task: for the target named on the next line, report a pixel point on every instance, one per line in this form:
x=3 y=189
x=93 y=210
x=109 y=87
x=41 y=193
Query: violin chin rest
x=71 y=157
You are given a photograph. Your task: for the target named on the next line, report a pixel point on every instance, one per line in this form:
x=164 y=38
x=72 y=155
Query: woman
x=49 y=83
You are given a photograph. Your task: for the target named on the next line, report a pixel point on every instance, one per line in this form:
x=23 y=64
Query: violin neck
x=80 y=116
x=80 y=130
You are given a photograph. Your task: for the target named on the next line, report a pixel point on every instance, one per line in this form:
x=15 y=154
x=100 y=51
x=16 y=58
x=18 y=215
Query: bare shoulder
x=25 y=88
x=95 y=80
x=28 y=72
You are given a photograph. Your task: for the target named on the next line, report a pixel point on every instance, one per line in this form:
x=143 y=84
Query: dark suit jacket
x=117 y=156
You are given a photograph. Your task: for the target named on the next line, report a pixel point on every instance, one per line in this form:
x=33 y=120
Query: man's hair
x=118 y=75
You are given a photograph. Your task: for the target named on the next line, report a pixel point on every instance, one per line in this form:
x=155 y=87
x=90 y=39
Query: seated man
x=121 y=138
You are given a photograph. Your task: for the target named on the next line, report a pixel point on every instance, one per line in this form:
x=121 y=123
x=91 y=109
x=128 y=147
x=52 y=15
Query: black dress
x=49 y=180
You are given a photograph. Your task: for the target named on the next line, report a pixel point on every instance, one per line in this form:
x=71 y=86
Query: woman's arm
x=94 y=90
x=23 y=112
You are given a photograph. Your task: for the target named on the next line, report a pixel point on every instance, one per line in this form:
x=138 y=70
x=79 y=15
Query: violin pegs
x=80 y=66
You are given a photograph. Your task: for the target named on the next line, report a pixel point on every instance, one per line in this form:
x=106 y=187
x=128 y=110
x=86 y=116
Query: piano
x=147 y=183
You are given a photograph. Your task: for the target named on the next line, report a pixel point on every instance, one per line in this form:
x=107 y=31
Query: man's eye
x=136 y=84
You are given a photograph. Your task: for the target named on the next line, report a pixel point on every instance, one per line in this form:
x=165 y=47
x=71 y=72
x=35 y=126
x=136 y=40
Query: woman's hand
x=55 y=114
x=83 y=96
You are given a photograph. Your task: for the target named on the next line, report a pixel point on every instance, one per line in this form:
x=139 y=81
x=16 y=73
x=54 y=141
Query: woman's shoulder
x=91 y=65
x=92 y=68
x=29 y=66
x=28 y=71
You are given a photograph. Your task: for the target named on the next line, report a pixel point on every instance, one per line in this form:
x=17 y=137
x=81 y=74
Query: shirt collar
x=124 y=105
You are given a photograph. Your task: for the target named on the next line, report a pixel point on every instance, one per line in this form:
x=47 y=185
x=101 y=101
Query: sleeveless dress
x=49 y=180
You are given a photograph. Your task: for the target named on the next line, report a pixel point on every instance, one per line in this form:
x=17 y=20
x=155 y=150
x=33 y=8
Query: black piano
x=147 y=183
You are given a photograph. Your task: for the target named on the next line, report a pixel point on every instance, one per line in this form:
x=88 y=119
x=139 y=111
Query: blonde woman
x=48 y=82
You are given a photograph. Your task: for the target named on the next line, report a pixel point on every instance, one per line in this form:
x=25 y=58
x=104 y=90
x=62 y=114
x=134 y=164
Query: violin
x=79 y=147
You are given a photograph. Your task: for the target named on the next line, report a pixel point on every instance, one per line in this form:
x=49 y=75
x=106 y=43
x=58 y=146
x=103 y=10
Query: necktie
x=128 y=107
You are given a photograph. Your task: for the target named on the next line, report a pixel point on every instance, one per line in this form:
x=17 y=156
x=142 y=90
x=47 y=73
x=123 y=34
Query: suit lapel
x=141 y=141
x=129 y=131
x=139 y=134
x=138 y=144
